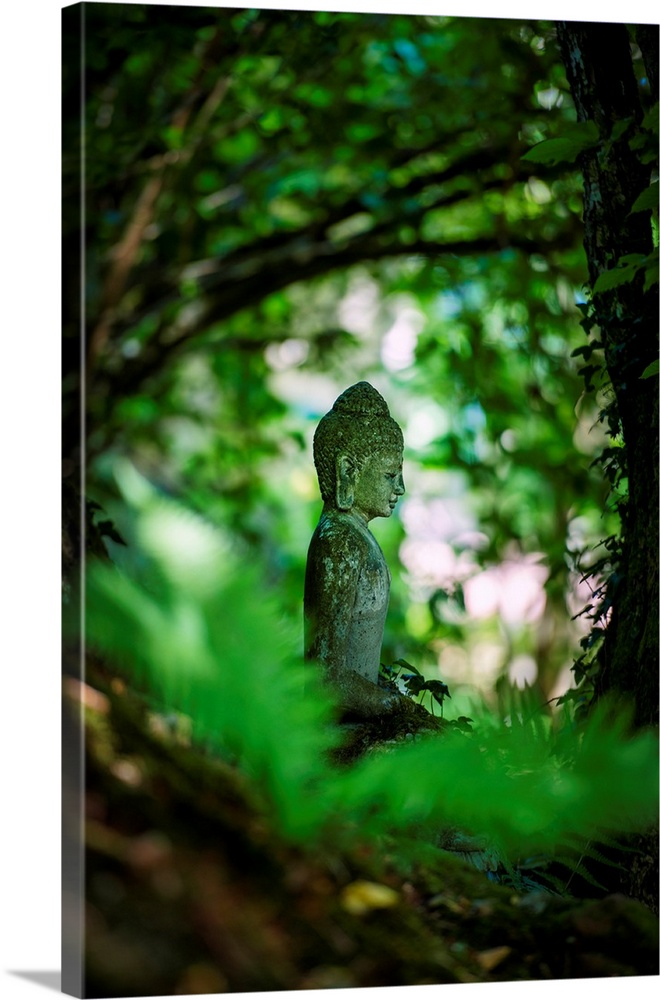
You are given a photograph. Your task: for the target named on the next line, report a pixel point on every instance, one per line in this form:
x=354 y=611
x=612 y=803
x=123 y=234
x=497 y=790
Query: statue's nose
x=399 y=486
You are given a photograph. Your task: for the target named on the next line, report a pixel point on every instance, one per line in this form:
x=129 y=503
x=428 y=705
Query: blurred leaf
x=360 y=897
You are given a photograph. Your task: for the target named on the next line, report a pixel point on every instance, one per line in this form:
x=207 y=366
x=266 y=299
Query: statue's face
x=379 y=485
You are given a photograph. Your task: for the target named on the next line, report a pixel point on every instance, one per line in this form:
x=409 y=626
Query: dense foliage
x=186 y=618
x=278 y=204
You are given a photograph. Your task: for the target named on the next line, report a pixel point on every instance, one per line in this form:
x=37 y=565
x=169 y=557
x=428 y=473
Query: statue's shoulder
x=338 y=532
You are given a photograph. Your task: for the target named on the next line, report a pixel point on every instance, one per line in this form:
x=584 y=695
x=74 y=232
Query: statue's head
x=358 y=453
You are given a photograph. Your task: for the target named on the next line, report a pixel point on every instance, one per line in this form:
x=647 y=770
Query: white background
x=29 y=460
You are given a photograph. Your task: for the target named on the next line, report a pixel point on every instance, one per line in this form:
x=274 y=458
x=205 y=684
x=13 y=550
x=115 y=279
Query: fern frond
x=200 y=630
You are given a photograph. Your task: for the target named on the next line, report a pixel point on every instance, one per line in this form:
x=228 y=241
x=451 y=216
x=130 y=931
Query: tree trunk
x=600 y=73
x=599 y=68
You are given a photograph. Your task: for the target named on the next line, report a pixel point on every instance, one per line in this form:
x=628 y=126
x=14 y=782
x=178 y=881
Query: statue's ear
x=346 y=478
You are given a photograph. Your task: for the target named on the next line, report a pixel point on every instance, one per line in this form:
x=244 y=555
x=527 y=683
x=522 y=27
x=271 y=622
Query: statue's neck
x=353 y=513
x=359 y=517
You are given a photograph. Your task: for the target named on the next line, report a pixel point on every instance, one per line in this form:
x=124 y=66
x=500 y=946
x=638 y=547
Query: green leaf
x=651 y=276
x=620 y=128
x=108 y=529
x=650 y=120
x=612 y=279
x=407 y=666
x=237 y=148
x=587 y=374
x=651 y=370
x=624 y=272
x=564 y=149
x=647 y=199
x=633 y=259
x=173 y=137
x=586 y=350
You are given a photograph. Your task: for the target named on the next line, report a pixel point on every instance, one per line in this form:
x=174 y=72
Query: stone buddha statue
x=358 y=453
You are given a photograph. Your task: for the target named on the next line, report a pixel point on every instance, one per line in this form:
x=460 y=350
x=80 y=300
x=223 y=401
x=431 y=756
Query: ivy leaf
x=414 y=685
x=620 y=128
x=651 y=370
x=439 y=690
x=650 y=120
x=407 y=666
x=108 y=530
x=645 y=142
x=587 y=373
x=623 y=273
x=647 y=199
x=651 y=276
x=463 y=722
x=586 y=350
x=564 y=149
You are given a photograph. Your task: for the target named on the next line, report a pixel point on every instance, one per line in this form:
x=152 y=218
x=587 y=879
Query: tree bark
x=599 y=68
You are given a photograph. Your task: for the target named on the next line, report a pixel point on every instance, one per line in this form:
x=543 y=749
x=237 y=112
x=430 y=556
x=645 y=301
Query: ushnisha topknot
x=361 y=398
x=358 y=425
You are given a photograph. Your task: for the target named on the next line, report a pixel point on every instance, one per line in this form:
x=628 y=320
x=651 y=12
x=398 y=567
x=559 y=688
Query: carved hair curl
x=359 y=425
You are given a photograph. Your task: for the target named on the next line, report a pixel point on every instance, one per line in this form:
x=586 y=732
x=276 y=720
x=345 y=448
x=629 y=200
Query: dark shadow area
x=50 y=980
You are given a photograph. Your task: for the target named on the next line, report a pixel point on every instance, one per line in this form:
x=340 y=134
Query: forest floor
x=190 y=889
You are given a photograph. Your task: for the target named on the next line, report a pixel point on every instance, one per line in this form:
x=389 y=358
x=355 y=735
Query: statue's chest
x=373 y=590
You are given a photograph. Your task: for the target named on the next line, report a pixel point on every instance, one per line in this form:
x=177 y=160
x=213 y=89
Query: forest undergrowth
x=210 y=775
x=188 y=616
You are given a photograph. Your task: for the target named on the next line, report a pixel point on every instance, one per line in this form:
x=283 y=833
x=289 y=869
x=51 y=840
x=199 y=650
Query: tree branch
x=241 y=289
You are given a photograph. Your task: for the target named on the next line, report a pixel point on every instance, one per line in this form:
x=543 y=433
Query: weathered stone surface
x=358 y=453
